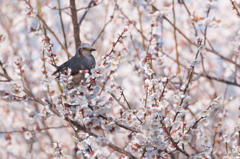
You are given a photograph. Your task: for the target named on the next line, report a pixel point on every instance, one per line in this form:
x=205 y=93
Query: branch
x=61 y=20
x=134 y=25
x=187 y=85
x=20 y=131
x=121 y=125
x=218 y=79
x=173 y=142
x=85 y=13
x=88 y=7
x=206 y=75
x=234 y=7
x=114 y=97
x=103 y=29
x=183 y=2
x=175 y=38
x=75 y=24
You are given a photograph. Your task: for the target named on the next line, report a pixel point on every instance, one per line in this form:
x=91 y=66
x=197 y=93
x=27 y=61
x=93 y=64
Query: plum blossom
x=112 y=128
x=3 y=38
x=28 y=135
x=45 y=113
x=102 y=141
x=185 y=139
x=149 y=71
x=205 y=113
x=31 y=13
x=16 y=87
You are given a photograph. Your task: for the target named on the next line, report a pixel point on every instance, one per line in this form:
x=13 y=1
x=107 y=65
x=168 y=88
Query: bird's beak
x=93 y=49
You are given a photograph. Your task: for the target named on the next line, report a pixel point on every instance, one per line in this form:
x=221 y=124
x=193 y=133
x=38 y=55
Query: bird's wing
x=61 y=68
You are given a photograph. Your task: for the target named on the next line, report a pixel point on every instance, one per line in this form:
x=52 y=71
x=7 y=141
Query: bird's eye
x=84 y=48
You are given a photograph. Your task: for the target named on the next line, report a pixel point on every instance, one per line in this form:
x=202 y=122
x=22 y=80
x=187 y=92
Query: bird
x=83 y=60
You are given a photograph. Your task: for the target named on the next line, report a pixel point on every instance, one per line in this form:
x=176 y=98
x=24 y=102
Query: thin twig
x=162 y=93
x=141 y=27
x=125 y=98
x=114 y=97
x=88 y=7
x=175 y=37
x=40 y=129
x=183 y=2
x=235 y=8
x=187 y=85
x=134 y=25
x=218 y=79
x=103 y=29
x=121 y=125
x=103 y=86
x=62 y=25
x=206 y=75
x=85 y=13
x=205 y=30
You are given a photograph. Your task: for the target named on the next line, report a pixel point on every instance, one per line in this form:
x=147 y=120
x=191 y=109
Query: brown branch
x=194 y=125
x=236 y=69
x=162 y=93
x=141 y=27
x=114 y=97
x=121 y=125
x=171 y=139
x=75 y=23
x=235 y=8
x=125 y=98
x=175 y=37
x=20 y=131
x=218 y=79
x=103 y=86
x=205 y=30
x=3 y=80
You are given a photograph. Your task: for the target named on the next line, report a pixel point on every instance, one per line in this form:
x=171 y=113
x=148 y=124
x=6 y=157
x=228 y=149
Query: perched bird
x=83 y=60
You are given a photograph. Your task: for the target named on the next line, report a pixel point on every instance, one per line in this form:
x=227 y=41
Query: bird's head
x=85 y=49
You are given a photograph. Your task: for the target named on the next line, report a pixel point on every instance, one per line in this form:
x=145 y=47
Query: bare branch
x=36 y=130
x=75 y=24
x=85 y=13
x=103 y=29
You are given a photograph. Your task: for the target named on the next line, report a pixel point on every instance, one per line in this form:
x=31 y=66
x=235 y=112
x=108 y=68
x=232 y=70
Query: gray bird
x=83 y=60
